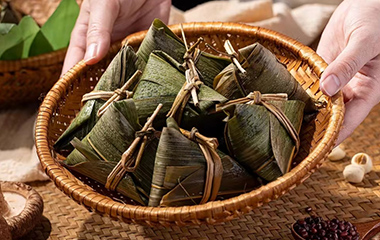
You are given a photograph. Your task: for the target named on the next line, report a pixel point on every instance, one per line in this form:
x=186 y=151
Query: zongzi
x=160 y=37
x=182 y=171
x=100 y=151
x=259 y=141
x=161 y=81
x=181 y=93
x=122 y=67
x=264 y=73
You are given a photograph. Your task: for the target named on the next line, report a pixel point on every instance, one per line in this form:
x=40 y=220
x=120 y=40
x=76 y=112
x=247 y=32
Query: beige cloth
x=304 y=23
x=18 y=160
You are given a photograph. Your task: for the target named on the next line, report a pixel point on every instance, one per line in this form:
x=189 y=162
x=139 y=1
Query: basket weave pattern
x=22 y=81
x=63 y=102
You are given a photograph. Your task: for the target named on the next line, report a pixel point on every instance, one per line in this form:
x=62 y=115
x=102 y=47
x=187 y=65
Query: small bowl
x=24 y=218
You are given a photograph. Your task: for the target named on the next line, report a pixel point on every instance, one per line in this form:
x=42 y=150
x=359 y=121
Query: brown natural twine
x=232 y=54
x=192 y=83
x=112 y=96
x=214 y=169
x=129 y=161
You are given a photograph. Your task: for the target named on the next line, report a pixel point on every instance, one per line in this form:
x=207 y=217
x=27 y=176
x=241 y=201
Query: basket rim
x=44 y=59
x=210 y=212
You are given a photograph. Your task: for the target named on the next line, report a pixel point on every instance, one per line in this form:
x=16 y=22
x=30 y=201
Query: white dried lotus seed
x=363 y=160
x=337 y=154
x=353 y=173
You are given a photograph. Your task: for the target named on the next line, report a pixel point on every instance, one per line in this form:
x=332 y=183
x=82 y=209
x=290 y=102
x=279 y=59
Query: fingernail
x=91 y=52
x=331 y=85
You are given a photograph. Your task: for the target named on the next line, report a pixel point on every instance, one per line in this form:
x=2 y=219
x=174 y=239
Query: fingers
x=164 y=10
x=329 y=47
x=101 y=20
x=356 y=111
x=340 y=71
x=77 y=46
x=159 y=9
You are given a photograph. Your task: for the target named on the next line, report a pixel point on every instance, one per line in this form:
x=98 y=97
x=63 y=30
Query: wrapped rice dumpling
x=264 y=73
x=258 y=141
x=181 y=172
x=160 y=37
x=122 y=67
x=99 y=152
x=177 y=167
x=161 y=81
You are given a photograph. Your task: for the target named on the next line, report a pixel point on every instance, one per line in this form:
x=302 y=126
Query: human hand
x=101 y=22
x=350 y=44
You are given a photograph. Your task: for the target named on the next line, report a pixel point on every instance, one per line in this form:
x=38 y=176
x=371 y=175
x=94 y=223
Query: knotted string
x=129 y=160
x=263 y=99
x=112 y=96
x=192 y=83
x=232 y=54
x=214 y=170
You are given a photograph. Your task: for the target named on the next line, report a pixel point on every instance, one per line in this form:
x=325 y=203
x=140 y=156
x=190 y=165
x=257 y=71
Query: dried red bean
x=319 y=229
x=308 y=209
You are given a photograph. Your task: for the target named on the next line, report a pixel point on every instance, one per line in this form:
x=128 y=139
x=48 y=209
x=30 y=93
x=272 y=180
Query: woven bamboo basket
x=23 y=81
x=318 y=137
x=26 y=80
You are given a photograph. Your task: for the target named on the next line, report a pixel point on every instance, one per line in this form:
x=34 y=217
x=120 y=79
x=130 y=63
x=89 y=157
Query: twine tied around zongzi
x=193 y=81
x=214 y=171
x=264 y=99
x=112 y=96
x=232 y=54
x=132 y=156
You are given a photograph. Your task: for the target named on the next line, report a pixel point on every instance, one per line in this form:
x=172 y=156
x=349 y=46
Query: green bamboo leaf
x=98 y=170
x=249 y=137
x=122 y=67
x=160 y=83
x=236 y=180
x=180 y=169
x=174 y=149
x=282 y=144
x=58 y=27
x=27 y=39
x=258 y=140
x=6 y=27
x=160 y=37
x=13 y=41
x=39 y=45
x=264 y=73
x=30 y=29
x=104 y=146
x=14 y=52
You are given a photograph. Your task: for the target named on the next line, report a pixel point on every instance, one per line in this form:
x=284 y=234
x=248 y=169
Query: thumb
x=340 y=71
x=102 y=18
